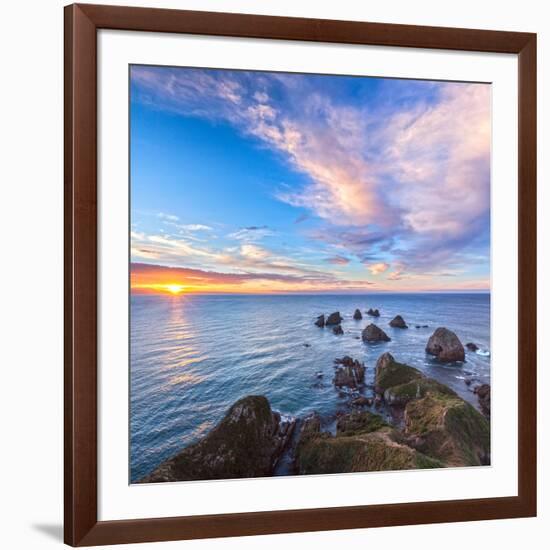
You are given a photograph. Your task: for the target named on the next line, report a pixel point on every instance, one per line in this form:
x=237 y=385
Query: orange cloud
x=155 y=279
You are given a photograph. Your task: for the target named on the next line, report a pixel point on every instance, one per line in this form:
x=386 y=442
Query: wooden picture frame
x=82 y=22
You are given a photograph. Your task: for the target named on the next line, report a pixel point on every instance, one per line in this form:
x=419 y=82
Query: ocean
x=193 y=356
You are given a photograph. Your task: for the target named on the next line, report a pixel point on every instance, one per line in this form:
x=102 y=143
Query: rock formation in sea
x=334 y=319
x=445 y=345
x=398 y=322
x=349 y=373
x=471 y=346
x=373 y=312
x=372 y=333
x=247 y=442
x=320 y=321
x=338 y=330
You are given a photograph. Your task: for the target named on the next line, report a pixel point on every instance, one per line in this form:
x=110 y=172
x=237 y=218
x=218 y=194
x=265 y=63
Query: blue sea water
x=193 y=356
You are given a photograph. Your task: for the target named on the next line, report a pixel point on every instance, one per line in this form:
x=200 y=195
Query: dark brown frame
x=81 y=524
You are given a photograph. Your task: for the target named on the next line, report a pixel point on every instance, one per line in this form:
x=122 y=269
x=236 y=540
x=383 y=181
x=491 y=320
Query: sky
x=260 y=182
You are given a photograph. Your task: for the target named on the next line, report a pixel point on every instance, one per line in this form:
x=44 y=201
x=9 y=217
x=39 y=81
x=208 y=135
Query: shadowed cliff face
x=246 y=443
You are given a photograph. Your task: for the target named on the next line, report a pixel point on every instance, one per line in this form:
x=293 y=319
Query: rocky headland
x=395 y=418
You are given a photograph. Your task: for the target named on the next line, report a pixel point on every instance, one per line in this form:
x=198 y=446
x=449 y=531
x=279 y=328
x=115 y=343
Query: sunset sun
x=175 y=288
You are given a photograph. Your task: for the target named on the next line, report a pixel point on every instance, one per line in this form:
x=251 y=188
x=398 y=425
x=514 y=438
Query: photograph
x=309 y=274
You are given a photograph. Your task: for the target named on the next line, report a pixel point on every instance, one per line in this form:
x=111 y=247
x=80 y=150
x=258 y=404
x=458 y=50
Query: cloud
x=168 y=217
x=378 y=268
x=252 y=233
x=337 y=260
x=152 y=278
x=195 y=227
x=403 y=176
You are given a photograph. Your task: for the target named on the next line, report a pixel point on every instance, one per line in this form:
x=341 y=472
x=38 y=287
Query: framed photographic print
x=300 y=257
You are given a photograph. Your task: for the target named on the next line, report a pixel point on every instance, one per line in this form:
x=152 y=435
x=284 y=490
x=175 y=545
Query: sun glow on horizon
x=175 y=288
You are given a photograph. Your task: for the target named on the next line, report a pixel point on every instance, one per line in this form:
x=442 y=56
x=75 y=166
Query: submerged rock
x=320 y=321
x=357 y=315
x=247 y=442
x=337 y=330
x=484 y=397
x=445 y=345
x=398 y=322
x=373 y=312
x=334 y=319
x=471 y=346
x=372 y=333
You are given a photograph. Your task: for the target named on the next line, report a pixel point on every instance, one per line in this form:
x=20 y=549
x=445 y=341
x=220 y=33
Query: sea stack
x=373 y=312
x=372 y=333
x=334 y=319
x=398 y=322
x=357 y=315
x=445 y=345
x=320 y=321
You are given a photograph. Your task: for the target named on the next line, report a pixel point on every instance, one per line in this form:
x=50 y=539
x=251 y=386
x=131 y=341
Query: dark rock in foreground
x=247 y=442
x=351 y=373
x=445 y=345
x=471 y=346
x=484 y=396
x=357 y=315
x=334 y=319
x=372 y=333
x=362 y=401
x=320 y=321
x=373 y=312
x=398 y=322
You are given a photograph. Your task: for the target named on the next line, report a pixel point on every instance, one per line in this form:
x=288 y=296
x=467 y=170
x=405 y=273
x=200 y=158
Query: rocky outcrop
x=484 y=397
x=398 y=383
x=357 y=315
x=334 y=319
x=350 y=373
x=363 y=443
x=338 y=330
x=247 y=442
x=320 y=321
x=447 y=428
x=398 y=322
x=438 y=422
x=471 y=346
x=373 y=312
x=445 y=345
x=361 y=401
x=372 y=333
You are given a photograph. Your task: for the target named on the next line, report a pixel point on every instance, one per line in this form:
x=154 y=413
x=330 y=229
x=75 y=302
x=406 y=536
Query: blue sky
x=274 y=182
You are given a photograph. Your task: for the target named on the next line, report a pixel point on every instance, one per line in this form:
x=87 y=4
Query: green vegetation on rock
x=362 y=452
x=246 y=443
x=359 y=422
x=390 y=373
x=449 y=429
